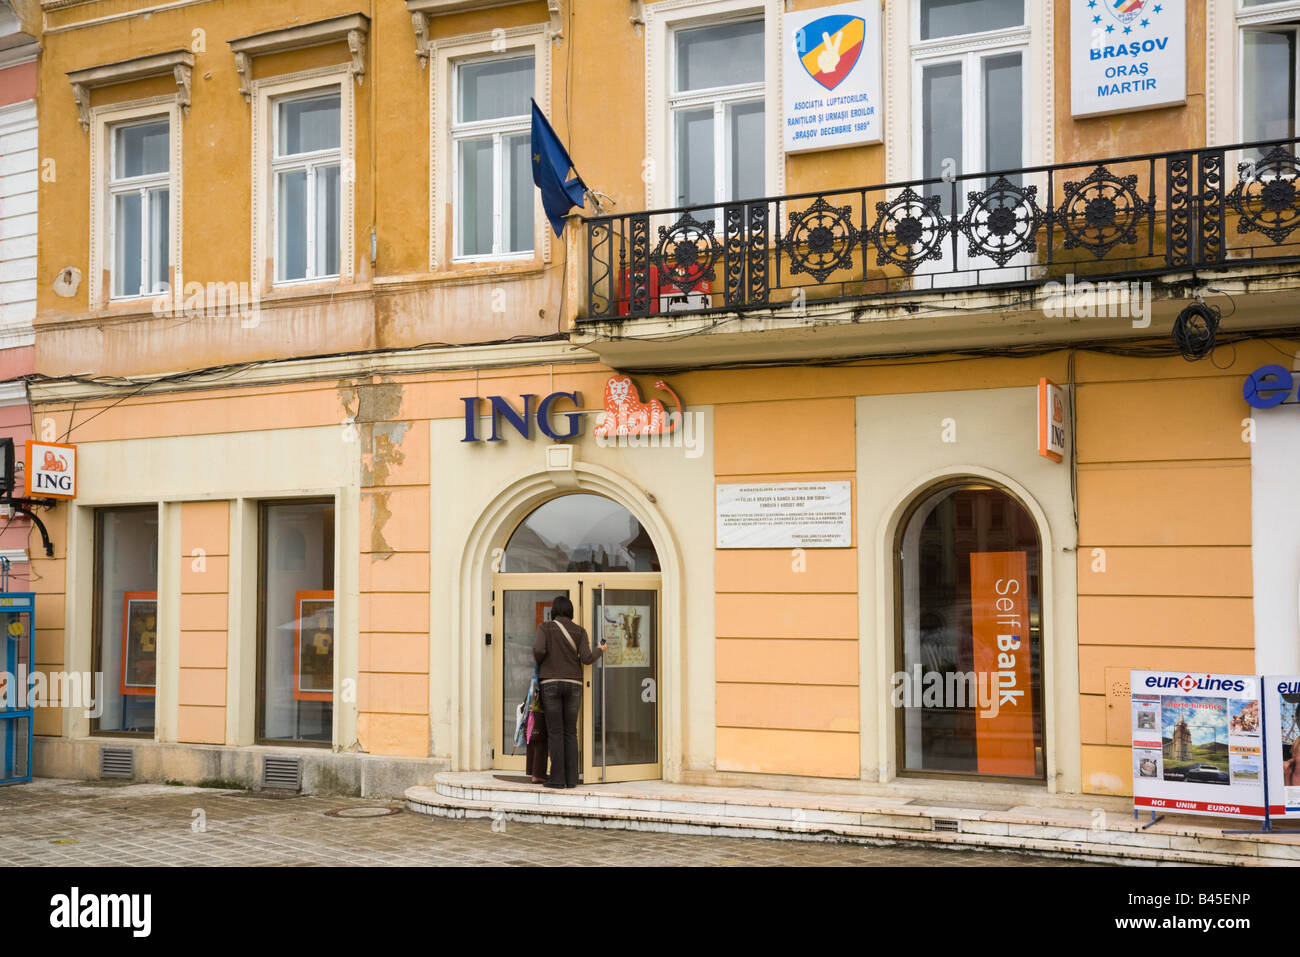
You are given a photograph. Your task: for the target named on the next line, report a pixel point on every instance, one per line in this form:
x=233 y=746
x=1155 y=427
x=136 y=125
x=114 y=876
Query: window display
x=297 y=635
x=969 y=684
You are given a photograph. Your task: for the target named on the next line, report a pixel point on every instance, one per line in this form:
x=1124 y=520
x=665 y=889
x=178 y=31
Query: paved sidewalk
x=77 y=823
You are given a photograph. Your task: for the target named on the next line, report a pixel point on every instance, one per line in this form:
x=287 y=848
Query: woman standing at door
x=561 y=649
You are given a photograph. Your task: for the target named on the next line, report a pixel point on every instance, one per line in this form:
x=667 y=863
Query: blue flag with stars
x=551 y=165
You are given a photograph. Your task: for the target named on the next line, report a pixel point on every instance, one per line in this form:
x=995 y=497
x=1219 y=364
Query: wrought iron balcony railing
x=1112 y=219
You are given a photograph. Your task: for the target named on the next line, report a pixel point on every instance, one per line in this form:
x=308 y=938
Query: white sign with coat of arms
x=830 y=72
x=1127 y=55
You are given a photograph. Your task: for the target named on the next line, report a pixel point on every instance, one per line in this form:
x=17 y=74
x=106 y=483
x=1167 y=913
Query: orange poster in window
x=139 y=642
x=999 y=597
x=313 y=646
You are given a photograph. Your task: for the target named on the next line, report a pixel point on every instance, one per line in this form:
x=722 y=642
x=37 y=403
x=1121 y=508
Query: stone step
x=886 y=824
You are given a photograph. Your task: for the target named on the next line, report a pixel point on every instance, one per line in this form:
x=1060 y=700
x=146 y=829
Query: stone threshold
x=1112 y=835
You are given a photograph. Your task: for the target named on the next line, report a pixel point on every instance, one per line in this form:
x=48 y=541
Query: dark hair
x=561 y=607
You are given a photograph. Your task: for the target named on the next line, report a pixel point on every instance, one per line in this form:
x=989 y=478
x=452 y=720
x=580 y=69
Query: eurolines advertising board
x=1282 y=733
x=1197 y=745
x=830 y=71
x=1127 y=55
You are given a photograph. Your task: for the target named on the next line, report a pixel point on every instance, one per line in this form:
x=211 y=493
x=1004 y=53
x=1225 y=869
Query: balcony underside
x=1252 y=298
x=969 y=261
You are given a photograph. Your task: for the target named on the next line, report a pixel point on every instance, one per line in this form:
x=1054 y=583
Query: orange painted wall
x=204 y=627
x=393 y=658
x=1164 y=533
x=49 y=582
x=786 y=621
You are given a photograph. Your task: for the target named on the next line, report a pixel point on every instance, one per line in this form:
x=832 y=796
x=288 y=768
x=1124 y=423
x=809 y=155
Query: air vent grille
x=282 y=773
x=117 y=763
x=947 y=824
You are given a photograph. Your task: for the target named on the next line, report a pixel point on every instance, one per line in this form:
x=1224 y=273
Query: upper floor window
x=972 y=97
x=951 y=18
x=139 y=187
x=491 y=149
x=717 y=112
x=1268 y=69
x=306 y=165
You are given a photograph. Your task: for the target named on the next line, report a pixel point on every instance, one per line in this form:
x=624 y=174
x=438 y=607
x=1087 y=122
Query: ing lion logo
x=54 y=463
x=626 y=414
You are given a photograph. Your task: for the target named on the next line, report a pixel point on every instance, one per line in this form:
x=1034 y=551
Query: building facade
x=19 y=49
x=342 y=401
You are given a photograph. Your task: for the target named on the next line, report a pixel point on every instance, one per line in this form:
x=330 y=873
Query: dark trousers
x=535 y=760
x=560 y=701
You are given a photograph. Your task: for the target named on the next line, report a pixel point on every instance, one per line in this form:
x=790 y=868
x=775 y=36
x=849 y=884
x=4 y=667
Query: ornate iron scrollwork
x=686 y=253
x=639 y=266
x=1178 y=188
x=1209 y=178
x=1002 y=221
x=820 y=239
x=733 y=263
x=909 y=230
x=758 y=288
x=1101 y=212
x=1265 y=198
x=600 y=269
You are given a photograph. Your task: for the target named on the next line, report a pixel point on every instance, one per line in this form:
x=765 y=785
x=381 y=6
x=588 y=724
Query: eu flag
x=551 y=164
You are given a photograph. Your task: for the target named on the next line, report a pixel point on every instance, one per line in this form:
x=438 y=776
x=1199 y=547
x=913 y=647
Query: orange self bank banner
x=1004 y=727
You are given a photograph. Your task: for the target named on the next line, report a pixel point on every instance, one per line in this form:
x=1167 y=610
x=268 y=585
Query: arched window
x=580 y=533
x=969 y=684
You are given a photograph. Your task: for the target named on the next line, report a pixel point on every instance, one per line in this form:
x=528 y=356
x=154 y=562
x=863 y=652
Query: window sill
x=480 y=270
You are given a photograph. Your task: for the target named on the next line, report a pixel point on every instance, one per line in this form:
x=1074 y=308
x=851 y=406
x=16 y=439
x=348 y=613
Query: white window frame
x=103 y=121
x=1224 y=22
x=499 y=129
x=146 y=186
x=265 y=94
x=662 y=19
x=719 y=97
x=970 y=55
x=904 y=48
x=1252 y=18
x=444 y=55
x=311 y=163
x=18 y=225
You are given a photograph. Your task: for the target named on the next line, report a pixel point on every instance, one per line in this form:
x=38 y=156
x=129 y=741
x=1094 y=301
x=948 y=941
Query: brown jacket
x=558 y=661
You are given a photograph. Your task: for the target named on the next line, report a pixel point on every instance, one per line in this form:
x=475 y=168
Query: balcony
x=945 y=263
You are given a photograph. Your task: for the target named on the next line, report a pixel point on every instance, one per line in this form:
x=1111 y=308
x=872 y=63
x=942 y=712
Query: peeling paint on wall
x=379 y=516
x=384 y=444
x=373 y=405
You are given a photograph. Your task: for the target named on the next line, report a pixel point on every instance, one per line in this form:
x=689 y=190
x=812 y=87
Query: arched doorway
x=969 y=635
x=595 y=552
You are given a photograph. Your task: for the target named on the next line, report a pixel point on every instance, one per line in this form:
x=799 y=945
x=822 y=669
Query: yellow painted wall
x=597 y=71
x=1129 y=134
x=204 y=628
x=393 y=662
x=787 y=620
x=1164 y=533
x=49 y=582
x=1163 y=492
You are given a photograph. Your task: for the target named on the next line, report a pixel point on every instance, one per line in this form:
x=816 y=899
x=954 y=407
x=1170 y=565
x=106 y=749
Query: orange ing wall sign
x=999 y=597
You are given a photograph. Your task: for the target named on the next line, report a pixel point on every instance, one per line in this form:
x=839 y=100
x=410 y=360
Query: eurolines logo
x=1188 y=683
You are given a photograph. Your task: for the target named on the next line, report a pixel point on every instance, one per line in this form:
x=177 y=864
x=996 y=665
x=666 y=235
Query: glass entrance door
x=618 y=724
x=522 y=603
x=622 y=696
